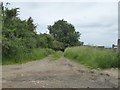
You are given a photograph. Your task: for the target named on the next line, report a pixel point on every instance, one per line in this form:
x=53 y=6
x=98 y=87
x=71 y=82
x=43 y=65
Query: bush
x=93 y=57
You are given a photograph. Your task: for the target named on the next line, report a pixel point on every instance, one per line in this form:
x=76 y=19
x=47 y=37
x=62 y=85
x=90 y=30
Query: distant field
x=93 y=57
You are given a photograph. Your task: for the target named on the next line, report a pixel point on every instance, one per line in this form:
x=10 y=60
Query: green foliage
x=18 y=36
x=56 y=55
x=20 y=43
x=64 y=32
x=31 y=26
x=56 y=45
x=35 y=54
x=93 y=57
x=44 y=40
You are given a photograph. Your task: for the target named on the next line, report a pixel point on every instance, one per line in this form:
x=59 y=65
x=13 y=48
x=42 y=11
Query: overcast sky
x=96 y=21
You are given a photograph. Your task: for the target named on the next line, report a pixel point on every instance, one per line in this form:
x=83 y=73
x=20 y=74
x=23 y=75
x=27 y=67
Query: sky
x=96 y=21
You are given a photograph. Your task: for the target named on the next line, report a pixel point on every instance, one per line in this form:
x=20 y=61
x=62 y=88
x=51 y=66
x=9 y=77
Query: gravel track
x=61 y=73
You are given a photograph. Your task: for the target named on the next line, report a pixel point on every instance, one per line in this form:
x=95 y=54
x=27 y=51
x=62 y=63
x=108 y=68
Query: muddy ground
x=61 y=73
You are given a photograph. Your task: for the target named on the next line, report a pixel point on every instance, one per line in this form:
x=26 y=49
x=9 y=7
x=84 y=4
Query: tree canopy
x=64 y=32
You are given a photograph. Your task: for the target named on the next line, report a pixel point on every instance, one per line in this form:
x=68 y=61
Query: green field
x=93 y=57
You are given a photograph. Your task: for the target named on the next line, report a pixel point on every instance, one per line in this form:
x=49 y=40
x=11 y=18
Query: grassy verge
x=56 y=55
x=93 y=57
x=36 y=54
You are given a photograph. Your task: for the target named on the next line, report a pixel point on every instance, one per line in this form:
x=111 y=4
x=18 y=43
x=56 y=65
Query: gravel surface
x=61 y=73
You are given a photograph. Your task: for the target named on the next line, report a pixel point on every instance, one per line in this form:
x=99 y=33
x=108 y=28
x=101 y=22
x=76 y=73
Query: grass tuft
x=56 y=55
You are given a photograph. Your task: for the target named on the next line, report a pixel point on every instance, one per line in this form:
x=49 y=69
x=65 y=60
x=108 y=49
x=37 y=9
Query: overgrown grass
x=56 y=55
x=36 y=54
x=93 y=57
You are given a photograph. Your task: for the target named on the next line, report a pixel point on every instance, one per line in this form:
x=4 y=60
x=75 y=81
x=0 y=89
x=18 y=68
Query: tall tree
x=64 y=32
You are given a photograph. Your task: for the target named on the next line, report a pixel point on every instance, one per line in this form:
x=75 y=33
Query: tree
x=64 y=32
x=31 y=27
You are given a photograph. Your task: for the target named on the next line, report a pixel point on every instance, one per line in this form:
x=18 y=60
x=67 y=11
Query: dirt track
x=61 y=73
